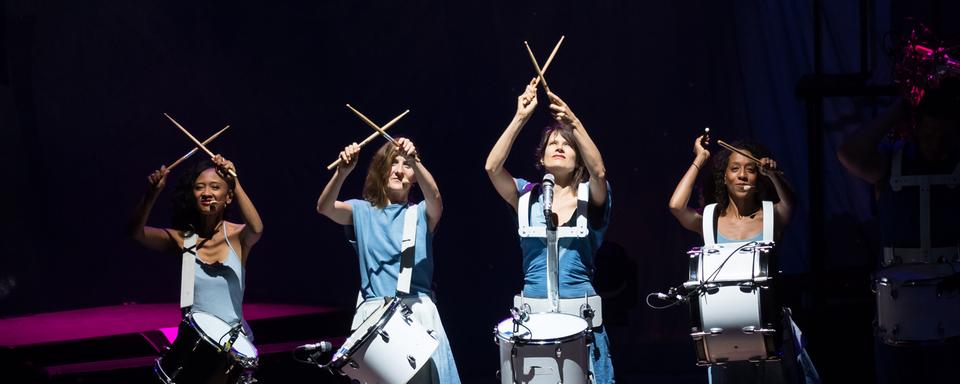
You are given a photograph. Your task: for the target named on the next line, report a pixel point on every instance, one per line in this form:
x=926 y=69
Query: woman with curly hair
x=745 y=193
x=221 y=248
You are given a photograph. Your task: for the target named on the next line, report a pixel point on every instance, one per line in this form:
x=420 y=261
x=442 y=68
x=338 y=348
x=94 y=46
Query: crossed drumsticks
x=200 y=146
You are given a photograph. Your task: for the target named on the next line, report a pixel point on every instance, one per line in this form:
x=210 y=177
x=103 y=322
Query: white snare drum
x=734 y=316
x=916 y=305
x=390 y=346
x=200 y=355
x=546 y=348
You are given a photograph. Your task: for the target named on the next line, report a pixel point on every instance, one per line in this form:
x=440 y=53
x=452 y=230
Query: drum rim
x=247 y=362
x=341 y=357
x=557 y=340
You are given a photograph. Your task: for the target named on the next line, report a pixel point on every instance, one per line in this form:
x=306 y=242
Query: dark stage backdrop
x=85 y=84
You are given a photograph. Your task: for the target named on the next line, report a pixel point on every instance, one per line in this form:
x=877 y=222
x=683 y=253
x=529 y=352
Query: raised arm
x=502 y=179
x=153 y=238
x=688 y=217
x=859 y=152
x=328 y=205
x=783 y=209
x=253 y=226
x=431 y=193
x=588 y=150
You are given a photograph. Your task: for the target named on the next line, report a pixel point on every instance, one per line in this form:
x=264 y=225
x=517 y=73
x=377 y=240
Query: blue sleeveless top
x=218 y=288
x=377 y=234
x=576 y=254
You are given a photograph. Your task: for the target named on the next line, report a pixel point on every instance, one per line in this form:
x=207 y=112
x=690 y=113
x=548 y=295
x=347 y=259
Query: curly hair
x=765 y=190
x=580 y=173
x=185 y=216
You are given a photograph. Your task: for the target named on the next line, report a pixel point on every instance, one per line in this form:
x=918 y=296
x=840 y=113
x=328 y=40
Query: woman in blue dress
x=221 y=248
x=568 y=153
x=378 y=221
x=741 y=186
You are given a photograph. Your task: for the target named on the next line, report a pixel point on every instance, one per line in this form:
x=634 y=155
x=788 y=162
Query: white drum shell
x=553 y=348
x=740 y=297
x=909 y=308
x=393 y=353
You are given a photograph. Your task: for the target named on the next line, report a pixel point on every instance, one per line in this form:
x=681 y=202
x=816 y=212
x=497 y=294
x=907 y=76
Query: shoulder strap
x=188 y=267
x=407 y=248
x=768 y=216
x=707 y=227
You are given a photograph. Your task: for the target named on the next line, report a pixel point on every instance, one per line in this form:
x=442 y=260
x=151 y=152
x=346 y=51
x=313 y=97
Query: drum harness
x=589 y=307
x=926 y=253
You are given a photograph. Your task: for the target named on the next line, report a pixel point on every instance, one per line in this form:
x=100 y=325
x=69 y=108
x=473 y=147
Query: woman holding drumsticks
x=379 y=222
x=219 y=248
x=745 y=178
x=567 y=153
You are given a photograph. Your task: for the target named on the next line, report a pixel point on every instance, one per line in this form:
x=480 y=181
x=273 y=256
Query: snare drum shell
x=743 y=294
x=911 y=310
x=391 y=352
x=562 y=355
x=194 y=358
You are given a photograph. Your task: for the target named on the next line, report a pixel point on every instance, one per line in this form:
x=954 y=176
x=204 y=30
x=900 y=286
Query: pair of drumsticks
x=706 y=131
x=381 y=131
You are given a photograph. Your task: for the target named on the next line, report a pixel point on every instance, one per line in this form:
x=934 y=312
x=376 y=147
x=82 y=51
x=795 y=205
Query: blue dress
x=377 y=237
x=213 y=283
x=576 y=269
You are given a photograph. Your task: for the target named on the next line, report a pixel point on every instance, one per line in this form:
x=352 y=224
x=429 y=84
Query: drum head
x=547 y=326
x=218 y=331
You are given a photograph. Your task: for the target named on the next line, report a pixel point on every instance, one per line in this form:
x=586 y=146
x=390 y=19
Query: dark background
x=84 y=84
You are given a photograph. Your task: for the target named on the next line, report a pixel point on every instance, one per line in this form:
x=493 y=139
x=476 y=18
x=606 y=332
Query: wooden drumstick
x=550 y=59
x=197 y=142
x=380 y=130
x=744 y=153
x=372 y=136
x=537 y=66
x=195 y=149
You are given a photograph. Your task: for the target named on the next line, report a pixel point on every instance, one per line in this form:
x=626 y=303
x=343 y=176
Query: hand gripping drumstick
x=372 y=136
x=195 y=149
x=197 y=142
x=380 y=130
x=745 y=154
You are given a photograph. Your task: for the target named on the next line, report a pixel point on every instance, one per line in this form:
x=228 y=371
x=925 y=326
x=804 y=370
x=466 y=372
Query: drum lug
x=412 y=361
x=353 y=364
x=559 y=353
x=747 y=286
x=711 y=288
x=432 y=334
x=751 y=329
x=711 y=332
x=384 y=335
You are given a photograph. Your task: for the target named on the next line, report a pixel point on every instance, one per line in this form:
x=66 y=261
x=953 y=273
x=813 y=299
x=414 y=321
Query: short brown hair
x=375 y=185
x=580 y=173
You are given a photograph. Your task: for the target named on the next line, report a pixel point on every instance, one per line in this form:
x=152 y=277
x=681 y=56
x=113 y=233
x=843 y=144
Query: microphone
x=313 y=351
x=518 y=315
x=546 y=187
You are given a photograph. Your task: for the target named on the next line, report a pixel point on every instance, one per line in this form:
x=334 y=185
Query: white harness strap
x=708 y=212
x=768 y=216
x=407 y=249
x=580 y=230
x=709 y=237
x=187 y=269
x=926 y=253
